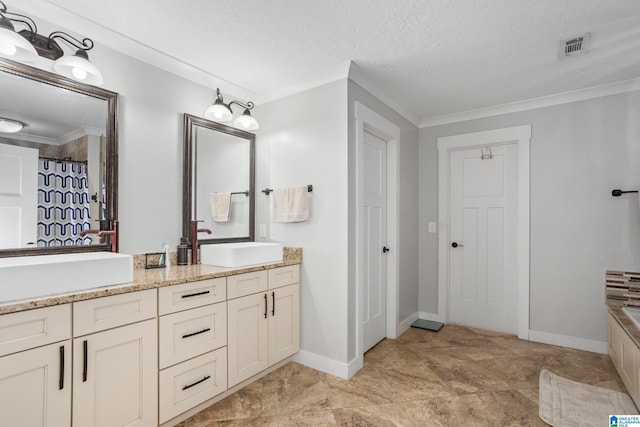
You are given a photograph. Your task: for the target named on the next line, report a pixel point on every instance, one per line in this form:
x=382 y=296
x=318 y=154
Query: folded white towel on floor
x=220 y=205
x=290 y=204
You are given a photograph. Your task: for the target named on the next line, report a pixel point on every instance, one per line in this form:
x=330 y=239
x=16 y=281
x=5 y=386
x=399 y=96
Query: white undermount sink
x=633 y=313
x=43 y=275
x=240 y=254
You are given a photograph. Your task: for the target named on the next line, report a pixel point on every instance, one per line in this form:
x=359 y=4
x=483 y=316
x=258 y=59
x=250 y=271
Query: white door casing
x=482 y=265
x=18 y=196
x=373 y=123
x=374 y=220
x=519 y=135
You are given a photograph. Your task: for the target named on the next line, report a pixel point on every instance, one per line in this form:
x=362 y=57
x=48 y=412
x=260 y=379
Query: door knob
x=385 y=249
x=456 y=244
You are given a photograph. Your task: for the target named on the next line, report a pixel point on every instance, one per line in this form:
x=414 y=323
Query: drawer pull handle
x=265 y=306
x=197 y=294
x=196 y=383
x=61 y=380
x=196 y=333
x=273 y=306
x=85 y=352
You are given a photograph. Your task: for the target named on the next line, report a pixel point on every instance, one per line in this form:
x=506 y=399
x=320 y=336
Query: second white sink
x=42 y=275
x=240 y=254
x=634 y=314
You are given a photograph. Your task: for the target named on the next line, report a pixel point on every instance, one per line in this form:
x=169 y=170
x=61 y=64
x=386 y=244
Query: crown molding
x=326 y=76
x=359 y=77
x=530 y=104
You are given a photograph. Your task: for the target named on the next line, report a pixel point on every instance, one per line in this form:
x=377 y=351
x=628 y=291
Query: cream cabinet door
x=247 y=344
x=35 y=387
x=115 y=381
x=627 y=355
x=284 y=323
x=613 y=340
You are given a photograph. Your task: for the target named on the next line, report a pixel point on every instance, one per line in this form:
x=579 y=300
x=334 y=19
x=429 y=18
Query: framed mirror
x=58 y=173
x=219 y=182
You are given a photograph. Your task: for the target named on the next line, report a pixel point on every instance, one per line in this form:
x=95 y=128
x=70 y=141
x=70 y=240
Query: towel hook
x=618 y=192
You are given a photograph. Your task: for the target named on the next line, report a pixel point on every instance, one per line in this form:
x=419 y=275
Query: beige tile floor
x=459 y=376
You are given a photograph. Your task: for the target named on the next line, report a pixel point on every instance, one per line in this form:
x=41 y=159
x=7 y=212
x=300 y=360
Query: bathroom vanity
x=150 y=352
x=623 y=332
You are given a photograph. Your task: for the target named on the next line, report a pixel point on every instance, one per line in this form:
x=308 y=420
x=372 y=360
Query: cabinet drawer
x=33 y=328
x=284 y=276
x=246 y=284
x=190 y=295
x=104 y=313
x=193 y=332
x=192 y=382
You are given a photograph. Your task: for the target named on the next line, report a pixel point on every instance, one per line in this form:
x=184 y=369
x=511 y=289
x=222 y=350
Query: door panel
x=18 y=196
x=483 y=196
x=374 y=211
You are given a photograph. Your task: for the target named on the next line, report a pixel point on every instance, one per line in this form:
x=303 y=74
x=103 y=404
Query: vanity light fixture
x=222 y=113
x=10 y=125
x=27 y=45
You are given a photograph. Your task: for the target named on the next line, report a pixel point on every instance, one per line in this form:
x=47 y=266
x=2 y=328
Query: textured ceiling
x=432 y=57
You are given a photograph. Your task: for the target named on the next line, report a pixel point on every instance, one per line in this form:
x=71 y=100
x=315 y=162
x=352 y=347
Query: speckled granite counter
x=148 y=279
x=627 y=324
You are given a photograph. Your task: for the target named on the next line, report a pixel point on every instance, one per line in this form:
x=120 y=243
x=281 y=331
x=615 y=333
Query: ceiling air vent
x=574 y=46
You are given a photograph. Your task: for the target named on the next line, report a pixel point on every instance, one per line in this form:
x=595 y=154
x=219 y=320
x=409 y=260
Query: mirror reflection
x=56 y=175
x=219 y=165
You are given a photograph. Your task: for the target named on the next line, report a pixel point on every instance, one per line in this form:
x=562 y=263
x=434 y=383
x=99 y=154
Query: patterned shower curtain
x=63 y=203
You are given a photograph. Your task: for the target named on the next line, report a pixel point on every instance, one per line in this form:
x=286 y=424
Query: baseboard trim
x=432 y=316
x=326 y=365
x=405 y=324
x=568 y=341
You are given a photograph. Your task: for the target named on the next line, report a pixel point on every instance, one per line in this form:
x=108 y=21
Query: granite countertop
x=627 y=324
x=149 y=279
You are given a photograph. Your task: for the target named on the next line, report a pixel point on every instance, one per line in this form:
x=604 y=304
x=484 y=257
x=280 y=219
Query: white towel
x=290 y=204
x=220 y=204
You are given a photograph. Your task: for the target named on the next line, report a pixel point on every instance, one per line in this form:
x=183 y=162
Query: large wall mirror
x=219 y=184
x=58 y=173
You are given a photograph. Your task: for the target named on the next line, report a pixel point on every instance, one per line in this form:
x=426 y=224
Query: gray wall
x=579 y=152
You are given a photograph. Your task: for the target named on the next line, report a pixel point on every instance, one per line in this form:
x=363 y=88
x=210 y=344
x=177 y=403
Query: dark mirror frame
x=111 y=136
x=188 y=184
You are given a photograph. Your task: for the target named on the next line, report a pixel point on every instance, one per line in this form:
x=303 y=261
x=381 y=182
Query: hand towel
x=290 y=204
x=220 y=205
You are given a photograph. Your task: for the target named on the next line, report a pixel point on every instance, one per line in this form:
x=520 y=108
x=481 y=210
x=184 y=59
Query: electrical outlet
x=263 y=230
x=432 y=226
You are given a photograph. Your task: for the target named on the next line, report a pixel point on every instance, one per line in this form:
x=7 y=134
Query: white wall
x=579 y=153
x=303 y=140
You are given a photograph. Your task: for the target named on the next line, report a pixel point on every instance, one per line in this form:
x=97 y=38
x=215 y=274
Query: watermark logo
x=624 y=420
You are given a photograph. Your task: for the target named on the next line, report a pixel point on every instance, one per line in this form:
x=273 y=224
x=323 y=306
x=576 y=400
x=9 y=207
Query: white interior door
x=483 y=237
x=18 y=196
x=374 y=211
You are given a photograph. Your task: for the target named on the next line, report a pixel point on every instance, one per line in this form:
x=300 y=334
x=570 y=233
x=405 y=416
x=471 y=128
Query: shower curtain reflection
x=63 y=203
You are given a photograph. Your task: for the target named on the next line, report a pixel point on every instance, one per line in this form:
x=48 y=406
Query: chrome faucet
x=194 y=239
x=101 y=233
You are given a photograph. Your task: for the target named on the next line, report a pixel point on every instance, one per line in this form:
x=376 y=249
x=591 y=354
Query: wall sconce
x=222 y=113
x=27 y=45
x=10 y=125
